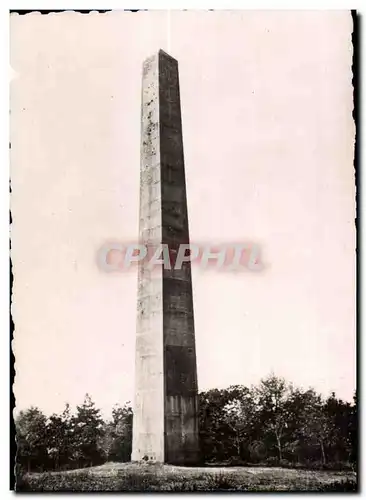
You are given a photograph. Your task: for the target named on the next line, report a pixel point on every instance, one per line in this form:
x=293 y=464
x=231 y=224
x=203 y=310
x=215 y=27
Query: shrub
x=346 y=485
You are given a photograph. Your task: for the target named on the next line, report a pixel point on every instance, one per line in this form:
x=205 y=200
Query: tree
x=240 y=417
x=339 y=414
x=317 y=425
x=294 y=444
x=106 y=441
x=272 y=395
x=116 y=441
x=352 y=434
x=87 y=426
x=59 y=438
x=213 y=427
x=268 y=423
x=31 y=438
x=122 y=433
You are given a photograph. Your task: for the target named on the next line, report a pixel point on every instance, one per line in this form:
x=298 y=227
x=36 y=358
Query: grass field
x=136 y=477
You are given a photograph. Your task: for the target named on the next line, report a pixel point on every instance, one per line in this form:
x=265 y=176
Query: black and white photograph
x=183 y=250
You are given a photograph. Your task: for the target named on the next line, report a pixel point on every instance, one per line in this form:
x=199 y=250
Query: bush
x=345 y=486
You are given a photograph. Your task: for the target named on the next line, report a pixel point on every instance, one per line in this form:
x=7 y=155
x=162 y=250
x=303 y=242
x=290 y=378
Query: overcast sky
x=268 y=136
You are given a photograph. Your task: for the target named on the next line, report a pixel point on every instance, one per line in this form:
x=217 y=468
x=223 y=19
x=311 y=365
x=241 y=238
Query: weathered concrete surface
x=165 y=425
x=148 y=421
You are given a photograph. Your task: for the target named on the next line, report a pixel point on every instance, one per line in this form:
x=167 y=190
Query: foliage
x=87 y=430
x=68 y=440
x=277 y=424
x=117 y=437
x=60 y=439
x=273 y=423
x=31 y=439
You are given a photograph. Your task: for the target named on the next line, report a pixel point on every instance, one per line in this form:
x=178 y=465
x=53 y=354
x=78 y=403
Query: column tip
x=165 y=54
x=160 y=54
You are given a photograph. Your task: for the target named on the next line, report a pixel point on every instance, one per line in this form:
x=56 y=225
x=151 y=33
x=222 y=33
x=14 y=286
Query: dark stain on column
x=180 y=370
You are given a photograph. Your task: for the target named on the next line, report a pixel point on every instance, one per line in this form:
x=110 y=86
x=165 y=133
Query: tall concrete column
x=165 y=424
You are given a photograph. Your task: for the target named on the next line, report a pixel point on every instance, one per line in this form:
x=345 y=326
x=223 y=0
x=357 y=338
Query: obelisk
x=165 y=422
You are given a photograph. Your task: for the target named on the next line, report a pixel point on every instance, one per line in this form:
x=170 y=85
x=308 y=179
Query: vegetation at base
x=165 y=478
x=273 y=424
x=72 y=441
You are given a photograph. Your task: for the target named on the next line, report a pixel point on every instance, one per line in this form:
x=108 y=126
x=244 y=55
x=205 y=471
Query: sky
x=268 y=135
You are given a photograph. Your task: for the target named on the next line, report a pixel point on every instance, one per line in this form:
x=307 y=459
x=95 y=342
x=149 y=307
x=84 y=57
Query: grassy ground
x=148 y=477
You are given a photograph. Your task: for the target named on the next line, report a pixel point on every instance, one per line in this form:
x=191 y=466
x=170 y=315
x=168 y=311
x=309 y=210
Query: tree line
x=273 y=423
